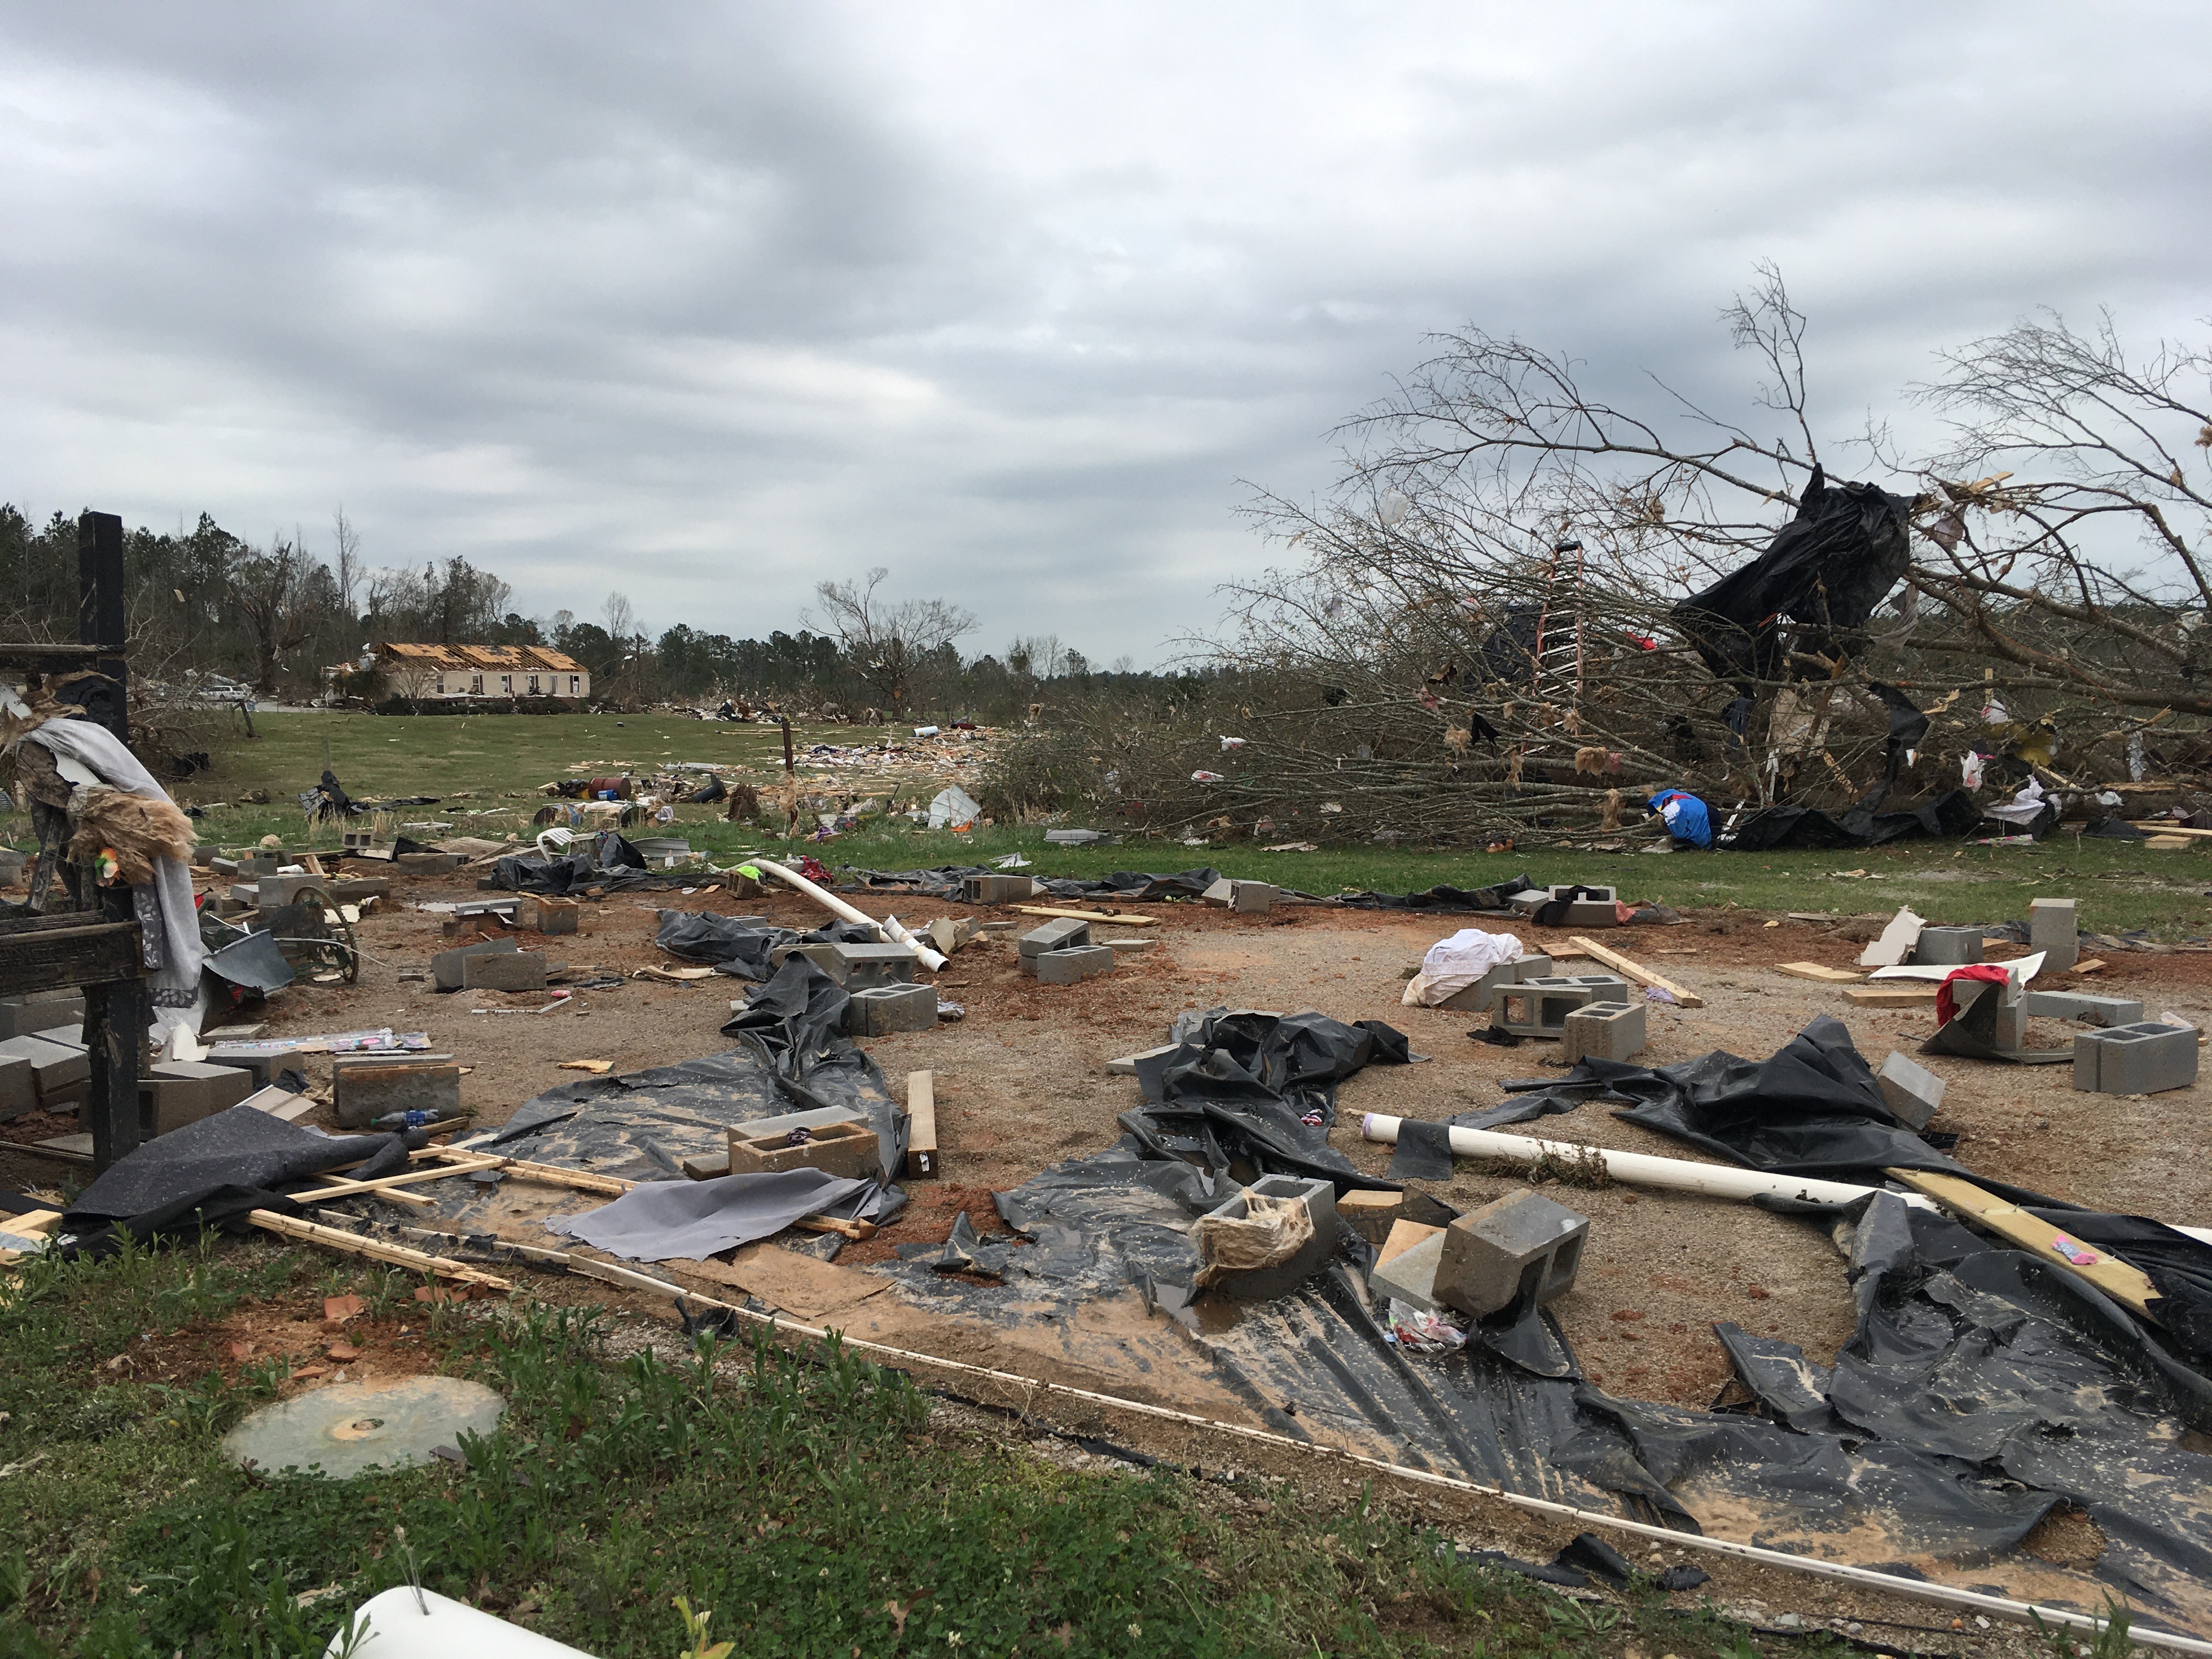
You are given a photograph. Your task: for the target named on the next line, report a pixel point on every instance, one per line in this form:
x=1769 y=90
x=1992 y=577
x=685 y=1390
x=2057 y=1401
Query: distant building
x=423 y=672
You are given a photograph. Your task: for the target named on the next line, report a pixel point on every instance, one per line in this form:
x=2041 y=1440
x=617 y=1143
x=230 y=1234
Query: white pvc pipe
x=1641 y=1170
x=405 y=1623
x=889 y=931
x=930 y=959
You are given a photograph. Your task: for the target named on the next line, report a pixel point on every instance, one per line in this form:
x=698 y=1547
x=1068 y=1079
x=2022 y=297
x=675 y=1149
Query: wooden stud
x=1890 y=996
x=1088 y=915
x=398 y=1255
x=1635 y=971
x=922 y=1125
x=1815 y=970
x=2129 y=1285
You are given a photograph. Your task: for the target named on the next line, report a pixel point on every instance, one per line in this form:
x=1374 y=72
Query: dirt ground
x=1020 y=1083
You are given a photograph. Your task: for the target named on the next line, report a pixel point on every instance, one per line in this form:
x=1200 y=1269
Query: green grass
x=808 y=1503
x=502 y=758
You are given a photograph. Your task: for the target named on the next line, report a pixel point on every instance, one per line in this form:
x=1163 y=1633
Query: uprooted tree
x=1521 y=597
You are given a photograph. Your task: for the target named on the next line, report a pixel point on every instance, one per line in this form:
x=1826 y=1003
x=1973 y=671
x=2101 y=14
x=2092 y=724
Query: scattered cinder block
x=2144 y=1059
x=1370 y=1214
x=858 y=967
x=837 y=1149
x=1594 y=909
x=1909 y=1089
x=880 y=1010
x=254 y=866
x=1258 y=1284
x=1476 y=999
x=362 y=1089
x=2071 y=1004
x=996 y=890
x=1948 y=946
x=19 y=1091
x=427 y=864
x=1127 y=1065
x=1539 y=1006
x=270 y=891
x=1060 y=933
x=250 y=1032
x=55 y=1067
x=39 y=1011
x=504 y=970
x=1406 y=1267
x=1603 y=1030
x=356 y=890
x=281 y=1104
x=548 y=916
x=179 y=1091
x=1523 y=1247
x=1071 y=966
x=446 y=967
x=260 y=1067
x=2053 y=929
x=1222 y=892
x=1127 y=947
x=1251 y=898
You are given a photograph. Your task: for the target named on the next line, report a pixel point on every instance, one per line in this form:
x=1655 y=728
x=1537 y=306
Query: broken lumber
x=1635 y=971
x=2129 y=1285
x=922 y=1125
x=610 y=1186
x=412 y=1178
x=1813 y=970
x=1123 y=919
x=1890 y=996
x=397 y=1255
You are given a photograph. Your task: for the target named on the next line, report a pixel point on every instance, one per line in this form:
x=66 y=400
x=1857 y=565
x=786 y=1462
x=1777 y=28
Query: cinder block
x=1258 y=1284
x=445 y=966
x=270 y=891
x=996 y=889
x=2053 y=929
x=1221 y=892
x=880 y=1010
x=353 y=890
x=181 y=1092
x=857 y=967
x=1370 y=1214
x=1948 y=946
x=426 y=864
x=504 y=970
x=1060 y=933
x=2070 y=1005
x=1251 y=898
x=1068 y=967
x=261 y=1068
x=1521 y=1248
x=2142 y=1059
x=1539 y=1006
x=1406 y=1268
x=254 y=866
x=548 y=916
x=1603 y=1030
x=1477 y=998
x=364 y=1088
x=1128 y=947
x=1909 y=1089
x=281 y=1104
x=19 y=1091
x=1127 y=1065
x=839 y=1149
x=40 y=1011
x=54 y=1068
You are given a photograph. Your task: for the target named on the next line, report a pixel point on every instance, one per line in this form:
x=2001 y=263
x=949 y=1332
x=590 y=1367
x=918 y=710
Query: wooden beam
x=922 y=1125
x=2128 y=1286
x=1635 y=970
x=79 y=950
x=1088 y=915
x=398 y=1255
x=1817 y=971
x=610 y=1186
x=412 y=1178
x=1890 y=996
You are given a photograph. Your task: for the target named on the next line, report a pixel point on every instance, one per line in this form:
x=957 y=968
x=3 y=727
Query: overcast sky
x=707 y=303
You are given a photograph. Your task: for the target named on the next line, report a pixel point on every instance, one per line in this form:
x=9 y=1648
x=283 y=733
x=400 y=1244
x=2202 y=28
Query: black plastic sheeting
x=739 y=949
x=610 y=864
x=1773 y=829
x=1463 y=901
x=211 y=1173
x=1127 y=886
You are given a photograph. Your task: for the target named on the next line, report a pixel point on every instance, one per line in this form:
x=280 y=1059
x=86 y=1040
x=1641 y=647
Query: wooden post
x=115 y=1035
x=100 y=619
x=921 y=1126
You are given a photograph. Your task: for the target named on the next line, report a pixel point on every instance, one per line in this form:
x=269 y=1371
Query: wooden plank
x=922 y=1125
x=398 y=1255
x=1890 y=996
x=609 y=1186
x=415 y=1199
x=91 y=952
x=1635 y=971
x=32 y=1224
x=1123 y=921
x=1815 y=970
x=412 y=1178
x=2128 y=1286
x=2182 y=829
x=2165 y=844
x=2093 y=965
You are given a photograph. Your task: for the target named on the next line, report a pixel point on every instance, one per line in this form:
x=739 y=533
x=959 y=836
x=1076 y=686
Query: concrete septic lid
x=352 y=1427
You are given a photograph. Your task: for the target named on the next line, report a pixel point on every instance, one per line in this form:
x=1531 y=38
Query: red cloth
x=1946 y=1006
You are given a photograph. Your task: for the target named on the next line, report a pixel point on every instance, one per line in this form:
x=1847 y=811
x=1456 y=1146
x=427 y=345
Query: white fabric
x=2023 y=809
x=952 y=808
x=176 y=983
x=1453 y=964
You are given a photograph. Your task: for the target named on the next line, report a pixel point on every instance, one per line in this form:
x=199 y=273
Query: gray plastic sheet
x=690 y=1220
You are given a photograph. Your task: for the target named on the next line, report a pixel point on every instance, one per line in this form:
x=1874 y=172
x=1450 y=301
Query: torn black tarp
x=738 y=948
x=216 y=1169
x=1126 y=886
x=1462 y=901
x=610 y=864
x=1772 y=829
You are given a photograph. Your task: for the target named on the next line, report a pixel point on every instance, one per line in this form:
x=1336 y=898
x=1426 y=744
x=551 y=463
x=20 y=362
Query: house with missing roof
x=426 y=673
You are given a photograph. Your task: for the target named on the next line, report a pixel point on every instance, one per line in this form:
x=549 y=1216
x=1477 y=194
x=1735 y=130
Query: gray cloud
x=708 y=303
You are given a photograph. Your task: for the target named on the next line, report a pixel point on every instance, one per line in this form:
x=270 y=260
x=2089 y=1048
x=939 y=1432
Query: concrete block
x=1258 y=1284
x=1521 y=1248
x=858 y=967
x=880 y=1010
x=1591 y=913
x=1909 y=1089
x=40 y=1011
x=1539 y=1006
x=445 y=966
x=996 y=889
x=2053 y=929
x=1603 y=1030
x=2144 y=1059
x=54 y=1068
x=181 y=1092
x=1476 y=999
x=1068 y=967
x=281 y=1104
x=1221 y=892
x=1948 y=946
x=1060 y=933
x=504 y=970
x=2071 y=1004
x=353 y=890
x=1251 y=898
x=252 y=1031
x=1406 y=1268
x=19 y=1091
x=1371 y=1215
x=270 y=891
x=1127 y=1065
x=426 y=864
x=254 y=866
x=1128 y=947
x=262 y=1068
x=364 y=1088
x=548 y=916
x=837 y=1149
x=63 y=1037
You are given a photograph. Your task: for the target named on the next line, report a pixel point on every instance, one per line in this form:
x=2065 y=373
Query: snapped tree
x=887 y=643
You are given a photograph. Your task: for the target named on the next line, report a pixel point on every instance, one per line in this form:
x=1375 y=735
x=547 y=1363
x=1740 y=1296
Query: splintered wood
x=1635 y=971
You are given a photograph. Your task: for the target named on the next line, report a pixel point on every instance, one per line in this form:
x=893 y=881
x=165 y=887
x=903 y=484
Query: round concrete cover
x=353 y=1426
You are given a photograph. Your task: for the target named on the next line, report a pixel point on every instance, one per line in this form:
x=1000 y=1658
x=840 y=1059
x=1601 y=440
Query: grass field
x=501 y=759
x=810 y=1508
